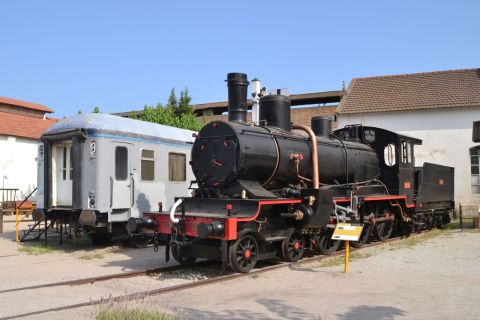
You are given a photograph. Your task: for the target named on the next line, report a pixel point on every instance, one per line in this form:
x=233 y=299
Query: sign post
x=347 y=232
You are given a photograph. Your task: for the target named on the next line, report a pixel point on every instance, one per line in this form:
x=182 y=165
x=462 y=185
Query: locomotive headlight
x=216 y=228
x=91 y=200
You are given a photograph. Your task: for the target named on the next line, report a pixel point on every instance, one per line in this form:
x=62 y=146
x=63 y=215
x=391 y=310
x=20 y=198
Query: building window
x=147 y=165
x=121 y=163
x=177 y=167
x=475 y=171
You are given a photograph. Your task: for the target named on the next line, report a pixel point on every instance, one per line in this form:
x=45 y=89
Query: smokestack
x=237 y=97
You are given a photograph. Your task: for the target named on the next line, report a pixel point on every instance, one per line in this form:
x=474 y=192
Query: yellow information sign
x=347 y=232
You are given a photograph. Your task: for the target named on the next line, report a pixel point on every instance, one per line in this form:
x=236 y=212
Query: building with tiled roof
x=437 y=107
x=21 y=125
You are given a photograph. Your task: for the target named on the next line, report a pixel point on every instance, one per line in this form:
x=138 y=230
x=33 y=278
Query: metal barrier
x=8 y=195
x=469 y=216
x=17 y=222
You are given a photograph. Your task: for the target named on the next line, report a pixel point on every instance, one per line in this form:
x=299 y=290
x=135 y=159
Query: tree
x=184 y=102
x=96 y=110
x=172 y=102
x=176 y=113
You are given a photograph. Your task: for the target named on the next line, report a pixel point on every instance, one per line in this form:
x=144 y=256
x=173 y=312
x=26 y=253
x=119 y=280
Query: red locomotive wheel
x=325 y=244
x=293 y=248
x=364 y=237
x=243 y=254
x=384 y=229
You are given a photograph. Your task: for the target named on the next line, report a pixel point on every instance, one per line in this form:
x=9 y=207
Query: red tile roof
x=24 y=104
x=23 y=126
x=416 y=91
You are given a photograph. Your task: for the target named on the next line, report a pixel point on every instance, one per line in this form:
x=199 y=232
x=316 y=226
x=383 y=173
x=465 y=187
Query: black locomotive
x=275 y=188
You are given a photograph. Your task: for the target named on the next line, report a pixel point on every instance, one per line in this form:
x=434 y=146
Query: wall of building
x=18 y=166
x=299 y=115
x=446 y=135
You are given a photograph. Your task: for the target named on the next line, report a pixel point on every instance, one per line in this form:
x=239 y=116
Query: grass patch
x=36 y=249
x=126 y=313
x=92 y=256
x=340 y=260
x=416 y=239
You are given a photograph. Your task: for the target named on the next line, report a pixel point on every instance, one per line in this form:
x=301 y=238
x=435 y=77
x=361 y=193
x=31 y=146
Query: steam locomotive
x=275 y=189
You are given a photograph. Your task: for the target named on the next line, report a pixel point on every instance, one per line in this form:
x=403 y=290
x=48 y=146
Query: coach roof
x=105 y=123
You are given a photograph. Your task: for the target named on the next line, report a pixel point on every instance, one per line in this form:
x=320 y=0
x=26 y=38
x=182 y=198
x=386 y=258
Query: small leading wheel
x=243 y=254
x=325 y=244
x=180 y=256
x=384 y=229
x=364 y=237
x=293 y=247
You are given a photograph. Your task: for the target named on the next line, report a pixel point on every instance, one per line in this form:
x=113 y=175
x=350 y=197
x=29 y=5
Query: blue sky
x=121 y=55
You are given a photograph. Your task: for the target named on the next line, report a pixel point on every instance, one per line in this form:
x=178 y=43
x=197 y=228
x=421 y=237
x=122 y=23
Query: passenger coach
x=97 y=171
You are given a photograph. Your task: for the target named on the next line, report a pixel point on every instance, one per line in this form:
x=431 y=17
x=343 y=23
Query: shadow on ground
x=372 y=313
x=277 y=309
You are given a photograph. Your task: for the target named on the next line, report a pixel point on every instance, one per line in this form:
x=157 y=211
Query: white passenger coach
x=96 y=171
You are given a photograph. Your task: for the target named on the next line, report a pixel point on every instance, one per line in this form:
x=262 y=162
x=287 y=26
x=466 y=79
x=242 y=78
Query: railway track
x=170 y=289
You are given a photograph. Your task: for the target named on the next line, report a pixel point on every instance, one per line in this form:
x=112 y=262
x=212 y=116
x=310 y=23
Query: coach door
x=63 y=168
x=122 y=179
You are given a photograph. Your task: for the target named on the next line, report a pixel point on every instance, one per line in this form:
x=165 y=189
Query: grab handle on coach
x=173 y=209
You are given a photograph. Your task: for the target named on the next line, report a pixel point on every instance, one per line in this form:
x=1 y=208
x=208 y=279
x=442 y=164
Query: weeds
x=339 y=260
x=414 y=240
x=92 y=256
x=36 y=249
x=137 y=313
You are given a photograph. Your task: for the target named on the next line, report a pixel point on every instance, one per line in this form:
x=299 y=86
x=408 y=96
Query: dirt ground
x=438 y=278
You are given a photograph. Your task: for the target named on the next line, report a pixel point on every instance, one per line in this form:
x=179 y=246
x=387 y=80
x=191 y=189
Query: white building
x=21 y=125
x=437 y=107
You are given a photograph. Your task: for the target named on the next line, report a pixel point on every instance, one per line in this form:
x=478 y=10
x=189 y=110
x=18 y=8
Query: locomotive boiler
x=232 y=157
x=272 y=189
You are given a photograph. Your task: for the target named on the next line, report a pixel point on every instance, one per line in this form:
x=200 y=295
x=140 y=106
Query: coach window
x=148 y=165
x=121 y=163
x=177 y=167
x=406 y=151
x=71 y=164
x=474 y=161
x=389 y=155
x=64 y=166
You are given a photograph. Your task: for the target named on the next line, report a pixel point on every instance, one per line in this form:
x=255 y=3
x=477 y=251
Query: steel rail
x=160 y=291
x=91 y=280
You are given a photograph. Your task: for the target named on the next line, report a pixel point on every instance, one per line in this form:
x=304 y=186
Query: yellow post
x=347 y=253
x=16 y=225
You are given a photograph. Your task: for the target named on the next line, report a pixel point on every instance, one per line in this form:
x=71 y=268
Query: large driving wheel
x=325 y=244
x=384 y=229
x=293 y=248
x=364 y=237
x=181 y=257
x=243 y=254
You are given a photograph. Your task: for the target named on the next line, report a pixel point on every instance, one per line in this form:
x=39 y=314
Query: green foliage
x=96 y=110
x=132 y=314
x=35 y=249
x=176 y=113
